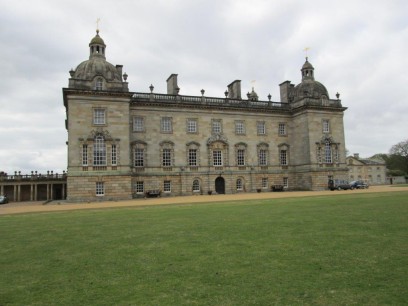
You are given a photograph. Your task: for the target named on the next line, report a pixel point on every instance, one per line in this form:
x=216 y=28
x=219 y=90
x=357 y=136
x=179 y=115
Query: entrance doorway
x=220 y=185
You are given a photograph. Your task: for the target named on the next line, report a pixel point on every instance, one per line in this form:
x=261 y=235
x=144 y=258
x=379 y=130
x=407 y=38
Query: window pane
x=166 y=124
x=192 y=157
x=139 y=187
x=241 y=157
x=239 y=128
x=85 y=155
x=239 y=184
x=138 y=124
x=166 y=157
x=262 y=158
x=99 y=153
x=282 y=129
x=192 y=126
x=114 y=155
x=261 y=128
x=100 y=189
x=217 y=158
x=167 y=186
x=328 y=153
x=283 y=157
x=99 y=116
x=216 y=126
x=326 y=126
x=264 y=182
x=196 y=185
x=139 y=157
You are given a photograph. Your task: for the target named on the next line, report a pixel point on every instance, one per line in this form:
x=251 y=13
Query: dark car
x=359 y=185
x=3 y=200
x=339 y=185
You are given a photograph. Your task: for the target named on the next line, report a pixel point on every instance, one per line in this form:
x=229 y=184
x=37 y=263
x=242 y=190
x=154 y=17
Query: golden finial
x=97 y=25
x=253 y=84
x=306 y=49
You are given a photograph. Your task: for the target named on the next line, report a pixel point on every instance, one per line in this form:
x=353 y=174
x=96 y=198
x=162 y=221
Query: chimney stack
x=172 y=87
x=234 y=90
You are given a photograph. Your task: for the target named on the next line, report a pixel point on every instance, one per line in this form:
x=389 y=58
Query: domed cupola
x=309 y=88
x=252 y=96
x=97 y=46
x=96 y=73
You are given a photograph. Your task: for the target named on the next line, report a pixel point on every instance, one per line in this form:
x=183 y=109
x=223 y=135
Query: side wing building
x=124 y=144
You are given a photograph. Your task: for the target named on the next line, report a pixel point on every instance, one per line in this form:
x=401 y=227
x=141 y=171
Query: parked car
x=359 y=184
x=3 y=200
x=339 y=185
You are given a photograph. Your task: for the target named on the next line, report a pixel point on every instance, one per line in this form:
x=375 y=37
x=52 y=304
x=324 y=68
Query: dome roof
x=307 y=65
x=97 y=66
x=310 y=88
x=97 y=40
x=253 y=96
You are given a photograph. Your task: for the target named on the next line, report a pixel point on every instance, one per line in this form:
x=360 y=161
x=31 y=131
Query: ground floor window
x=196 y=186
x=139 y=187
x=100 y=189
x=285 y=182
x=264 y=182
x=240 y=185
x=167 y=186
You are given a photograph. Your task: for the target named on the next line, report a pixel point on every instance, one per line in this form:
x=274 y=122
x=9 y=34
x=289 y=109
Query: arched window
x=263 y=152
x=99 y=83
x=327 y=153
x=193 y=154
x=196 y=185
x=167 y=153
x=240 y=154
x=139 y=154
x=240 y=185
x=99 y=151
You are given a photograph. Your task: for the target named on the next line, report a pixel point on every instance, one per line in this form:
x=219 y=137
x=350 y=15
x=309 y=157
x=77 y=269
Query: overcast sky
x=358 y=48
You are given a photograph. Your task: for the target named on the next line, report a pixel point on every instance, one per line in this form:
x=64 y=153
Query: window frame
x=326 y=126
x=261 y=128
x=85 y=152
x=99 y=189
x=99 y=116
x=239 y=127
x=192 y=157
x=192 y=126
x=166 y=125
x=139 y=188
x=99 y=157
x=167 y=186
x=166 y=157
x=283 y=157
x=114 y=155
x=138 y=157
x=138 y=124
x=216 y=126
x=217 y=158
x=282 y=129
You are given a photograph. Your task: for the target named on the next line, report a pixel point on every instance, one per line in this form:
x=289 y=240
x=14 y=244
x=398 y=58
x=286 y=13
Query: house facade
x=371 y=171
x=124 y=144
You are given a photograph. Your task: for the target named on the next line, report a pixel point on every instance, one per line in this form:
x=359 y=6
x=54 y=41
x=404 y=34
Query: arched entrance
x=220 y=185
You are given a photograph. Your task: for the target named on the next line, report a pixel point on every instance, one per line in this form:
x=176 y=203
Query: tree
x=399 y=152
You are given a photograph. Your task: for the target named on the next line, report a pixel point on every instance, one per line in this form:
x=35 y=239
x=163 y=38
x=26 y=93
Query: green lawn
x=336 y=250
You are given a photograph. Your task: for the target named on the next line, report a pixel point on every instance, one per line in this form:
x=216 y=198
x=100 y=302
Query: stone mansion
x=124 y=144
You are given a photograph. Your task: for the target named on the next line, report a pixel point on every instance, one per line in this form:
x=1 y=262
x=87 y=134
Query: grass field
x=350 y=249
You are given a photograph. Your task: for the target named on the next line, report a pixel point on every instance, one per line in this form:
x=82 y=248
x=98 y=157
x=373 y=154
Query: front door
x=220 y=185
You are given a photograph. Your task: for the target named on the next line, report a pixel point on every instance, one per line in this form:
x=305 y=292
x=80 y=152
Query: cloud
x=357 y=49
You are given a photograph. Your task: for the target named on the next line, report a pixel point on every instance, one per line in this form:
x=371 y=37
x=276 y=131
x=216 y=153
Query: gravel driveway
x=30 y=207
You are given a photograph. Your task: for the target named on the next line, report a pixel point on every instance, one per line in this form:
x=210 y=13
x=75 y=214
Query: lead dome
x=97 y=73
x=309 y=87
